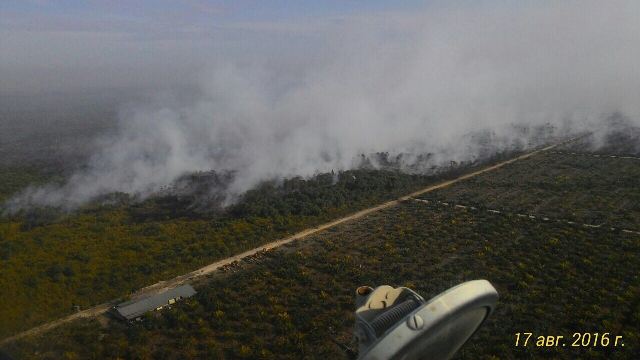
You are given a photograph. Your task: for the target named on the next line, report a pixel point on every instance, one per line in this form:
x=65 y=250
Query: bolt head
x=415 y=322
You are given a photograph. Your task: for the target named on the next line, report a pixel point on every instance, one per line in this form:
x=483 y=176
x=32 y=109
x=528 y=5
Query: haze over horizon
x=295 y=88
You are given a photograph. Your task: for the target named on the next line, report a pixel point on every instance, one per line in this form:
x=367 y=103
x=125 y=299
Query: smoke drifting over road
x=399 y=83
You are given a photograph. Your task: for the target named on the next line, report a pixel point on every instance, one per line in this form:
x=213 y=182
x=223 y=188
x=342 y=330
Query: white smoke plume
x=401 y=83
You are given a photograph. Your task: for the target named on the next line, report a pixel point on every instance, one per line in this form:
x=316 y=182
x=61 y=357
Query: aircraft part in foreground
x=398 y=323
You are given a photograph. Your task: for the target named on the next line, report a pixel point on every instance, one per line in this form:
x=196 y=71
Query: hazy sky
x=62 y=45
x=200 y=10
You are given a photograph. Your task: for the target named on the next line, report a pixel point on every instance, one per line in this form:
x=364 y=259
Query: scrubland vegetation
x=296 y=302
x=598 y=191
x=619 y=137
x=53 y=262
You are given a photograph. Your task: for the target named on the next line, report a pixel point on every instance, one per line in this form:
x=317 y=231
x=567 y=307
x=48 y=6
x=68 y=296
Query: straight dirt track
x=179 y=280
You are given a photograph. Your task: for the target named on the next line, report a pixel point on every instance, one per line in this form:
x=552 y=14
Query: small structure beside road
x=134 y=309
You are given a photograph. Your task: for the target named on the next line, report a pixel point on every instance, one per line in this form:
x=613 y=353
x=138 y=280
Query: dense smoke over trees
x=321 y=93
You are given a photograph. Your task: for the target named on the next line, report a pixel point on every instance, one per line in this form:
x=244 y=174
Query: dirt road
x=164 y=285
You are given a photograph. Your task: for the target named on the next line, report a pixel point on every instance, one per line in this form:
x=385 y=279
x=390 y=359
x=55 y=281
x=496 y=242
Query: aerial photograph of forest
x=238 y=180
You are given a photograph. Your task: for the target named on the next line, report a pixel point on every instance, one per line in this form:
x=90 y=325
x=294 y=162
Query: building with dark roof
x=134 y=309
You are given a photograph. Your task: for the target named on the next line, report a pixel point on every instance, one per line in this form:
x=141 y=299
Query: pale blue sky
x=198 y=10
x=48 y=44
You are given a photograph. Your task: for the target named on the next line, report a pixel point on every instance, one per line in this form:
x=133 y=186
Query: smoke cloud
x=395 y=82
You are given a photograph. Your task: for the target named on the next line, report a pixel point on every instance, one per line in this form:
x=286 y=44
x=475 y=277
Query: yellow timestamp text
x=577 y=339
